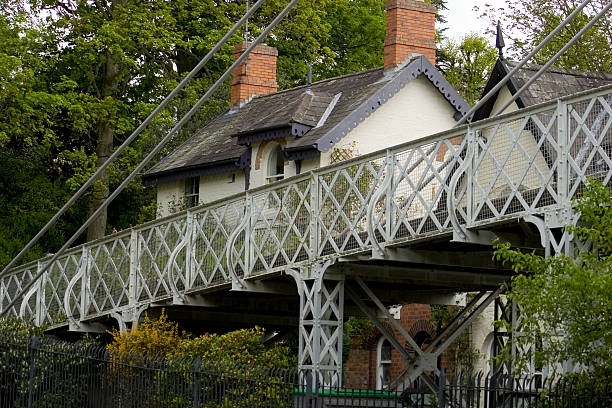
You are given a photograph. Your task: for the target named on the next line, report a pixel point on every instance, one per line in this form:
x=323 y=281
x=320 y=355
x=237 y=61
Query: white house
x=267 y=135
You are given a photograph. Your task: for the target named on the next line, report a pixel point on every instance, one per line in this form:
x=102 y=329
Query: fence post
x=197 y=364
x=308 y=394
x=441 y=388
x=33 y=345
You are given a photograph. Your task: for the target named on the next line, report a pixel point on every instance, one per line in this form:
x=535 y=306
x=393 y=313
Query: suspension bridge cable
x=154 y=152
x=134 y=134
x=554 y=58
x=523 y=62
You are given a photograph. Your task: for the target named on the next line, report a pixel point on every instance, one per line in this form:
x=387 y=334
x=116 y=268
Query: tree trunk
x=104 y=148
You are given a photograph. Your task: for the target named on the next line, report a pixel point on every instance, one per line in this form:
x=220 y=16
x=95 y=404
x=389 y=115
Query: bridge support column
x=321 y=327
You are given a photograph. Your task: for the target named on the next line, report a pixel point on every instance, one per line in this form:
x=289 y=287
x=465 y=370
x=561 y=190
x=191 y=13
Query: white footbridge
x=408 y=224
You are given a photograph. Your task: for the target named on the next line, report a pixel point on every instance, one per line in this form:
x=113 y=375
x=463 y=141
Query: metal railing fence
x=40 y=372
x=533 y=161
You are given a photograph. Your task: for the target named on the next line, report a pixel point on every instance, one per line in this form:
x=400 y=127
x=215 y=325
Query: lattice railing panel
x=515 y=165
x=13 y=284
x=109 y=275
x=212 y=229
x=156 y=244
x=280 y=226
x=590 y=141
x=344 y=195
x=55 y=285
x=421 y=187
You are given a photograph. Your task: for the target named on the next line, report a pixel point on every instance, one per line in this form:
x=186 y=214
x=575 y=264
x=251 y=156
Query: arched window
x=383 y=366
x=276 y=165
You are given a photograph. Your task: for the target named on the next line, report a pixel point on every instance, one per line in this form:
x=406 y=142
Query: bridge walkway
x=413 y=223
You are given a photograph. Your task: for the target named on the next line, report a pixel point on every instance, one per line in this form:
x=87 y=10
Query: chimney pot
x=257 y=76
x=410 y=29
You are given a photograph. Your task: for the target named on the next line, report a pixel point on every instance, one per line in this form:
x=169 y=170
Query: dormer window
x=276 y=165
x=192 y=192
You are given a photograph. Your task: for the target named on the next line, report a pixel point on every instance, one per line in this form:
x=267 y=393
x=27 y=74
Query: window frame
x=275 y=158
x=192 y=191
x=381 y=364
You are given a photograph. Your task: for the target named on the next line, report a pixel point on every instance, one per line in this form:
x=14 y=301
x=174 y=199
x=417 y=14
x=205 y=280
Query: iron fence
x=42 y=372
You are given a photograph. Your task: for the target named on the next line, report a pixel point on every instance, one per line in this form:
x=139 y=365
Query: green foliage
x=20 y=327
x=237 y=359
x=357 y=331
x=467 y=64
x=532 y=20
x=461 y=349
x=566 y=301
x=242 y=347
x=152 y=338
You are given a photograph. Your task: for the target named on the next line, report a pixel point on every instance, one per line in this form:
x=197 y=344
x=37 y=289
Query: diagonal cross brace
x=455 y=333
x=386 y=314
x=408 y=359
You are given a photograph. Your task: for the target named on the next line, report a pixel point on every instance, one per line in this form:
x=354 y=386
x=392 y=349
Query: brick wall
x=410 y=29
x=360 y=369
x=257 y=76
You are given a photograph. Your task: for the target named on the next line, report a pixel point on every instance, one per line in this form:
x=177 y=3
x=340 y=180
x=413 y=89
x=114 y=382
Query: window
x=383 y=366
x=192 y=191
x=276 y=165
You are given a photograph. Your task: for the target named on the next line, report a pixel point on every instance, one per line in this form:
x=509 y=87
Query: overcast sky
x=462 y=19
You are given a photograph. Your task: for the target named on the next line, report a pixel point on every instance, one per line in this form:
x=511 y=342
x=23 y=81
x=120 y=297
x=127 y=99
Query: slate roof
x=328 y=108
x=554 y=83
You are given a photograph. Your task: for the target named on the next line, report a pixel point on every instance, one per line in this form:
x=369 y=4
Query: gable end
x=418 y=66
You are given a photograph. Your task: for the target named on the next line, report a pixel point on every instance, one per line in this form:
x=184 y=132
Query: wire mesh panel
x=156 y=246
x=420 y=187
x=55 y=284
x=515 y=165
x=280 y=226
x=12 y=285
x=590 y=141
x=344 y=195
x=108 y=274
x=212 y=229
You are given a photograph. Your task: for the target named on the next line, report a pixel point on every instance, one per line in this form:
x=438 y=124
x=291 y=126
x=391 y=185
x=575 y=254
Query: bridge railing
x=530 y=161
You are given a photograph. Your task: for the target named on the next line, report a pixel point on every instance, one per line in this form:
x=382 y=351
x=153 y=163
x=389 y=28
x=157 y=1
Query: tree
x=531 y=21
x=567 y=301
x=467 y=64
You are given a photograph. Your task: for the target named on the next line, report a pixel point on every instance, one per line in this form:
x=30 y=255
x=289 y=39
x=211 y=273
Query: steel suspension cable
x=154 y=152
x=562 y=51
x=133 y=136
x=523 y=62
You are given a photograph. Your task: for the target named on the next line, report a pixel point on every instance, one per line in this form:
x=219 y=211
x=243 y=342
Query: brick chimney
x=410 y=29
x=258 y=77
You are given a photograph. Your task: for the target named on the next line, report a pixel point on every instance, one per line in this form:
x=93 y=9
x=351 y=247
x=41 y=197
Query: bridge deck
x=384 y=216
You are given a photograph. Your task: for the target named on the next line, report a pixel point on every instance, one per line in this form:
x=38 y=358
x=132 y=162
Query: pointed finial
x=499 y=40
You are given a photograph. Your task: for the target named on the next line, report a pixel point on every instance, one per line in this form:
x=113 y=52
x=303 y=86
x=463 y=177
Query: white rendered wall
x=169 y=197
x=416 y=111
x=216 y=186
x=212 y=187
x=514 y=164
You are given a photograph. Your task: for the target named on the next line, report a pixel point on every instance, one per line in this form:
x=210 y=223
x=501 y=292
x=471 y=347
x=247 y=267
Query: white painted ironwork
x=532 y=162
